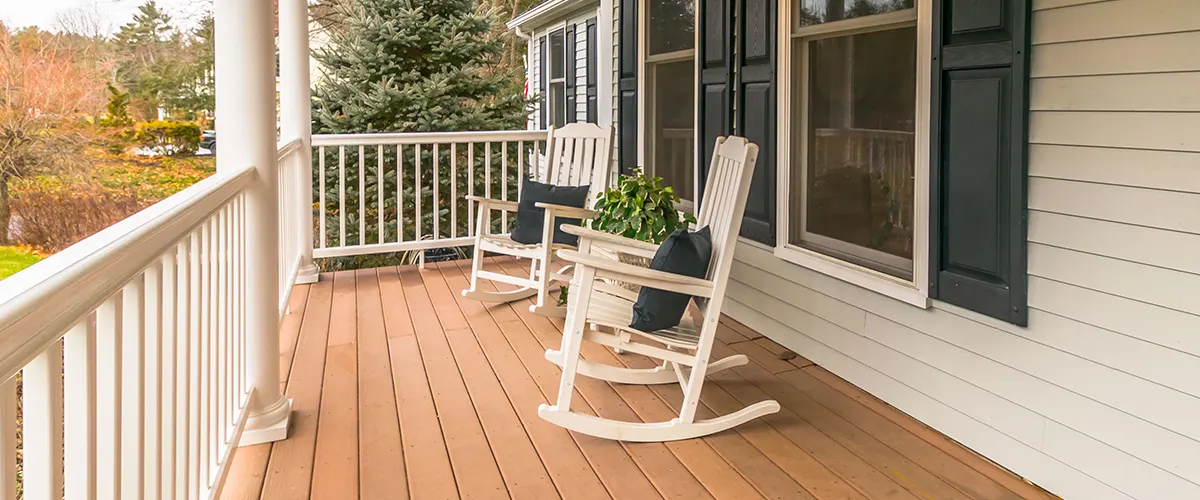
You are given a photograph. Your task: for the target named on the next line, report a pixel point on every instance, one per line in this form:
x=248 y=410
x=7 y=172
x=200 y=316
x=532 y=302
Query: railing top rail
x=286 y=148
x=38 y=305
x=407 y=138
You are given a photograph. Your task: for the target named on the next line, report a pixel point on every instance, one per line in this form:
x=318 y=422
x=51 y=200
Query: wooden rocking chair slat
x=576 y=154
x=686 y=348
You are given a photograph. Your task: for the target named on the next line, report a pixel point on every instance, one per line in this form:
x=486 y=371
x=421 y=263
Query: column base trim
x=307 y=274
x=271 y=426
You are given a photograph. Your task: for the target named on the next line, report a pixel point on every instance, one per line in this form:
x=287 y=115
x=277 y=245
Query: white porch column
x=295 y=120
x=245 y=95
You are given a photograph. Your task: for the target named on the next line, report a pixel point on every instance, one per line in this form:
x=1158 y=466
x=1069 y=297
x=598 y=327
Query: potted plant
x=638 y=207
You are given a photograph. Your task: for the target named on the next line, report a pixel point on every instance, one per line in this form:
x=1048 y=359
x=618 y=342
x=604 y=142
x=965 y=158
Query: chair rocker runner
x=684 y=350
x=576 y=155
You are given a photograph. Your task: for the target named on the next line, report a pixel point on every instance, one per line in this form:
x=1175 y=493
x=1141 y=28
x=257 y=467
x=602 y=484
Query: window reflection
x=813 y=12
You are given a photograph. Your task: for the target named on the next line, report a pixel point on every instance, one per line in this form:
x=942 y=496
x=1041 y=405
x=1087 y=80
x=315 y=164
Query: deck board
x=404 y=389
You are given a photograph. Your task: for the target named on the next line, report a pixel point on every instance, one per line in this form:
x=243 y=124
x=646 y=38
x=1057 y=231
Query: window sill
x=896 y=288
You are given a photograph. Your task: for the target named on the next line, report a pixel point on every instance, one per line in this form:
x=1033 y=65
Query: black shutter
x=592 y=81
x=715 y=55
x=569 y=54
x=543 y=78
x=627 y=101
x=979 y=118
x=757 y=110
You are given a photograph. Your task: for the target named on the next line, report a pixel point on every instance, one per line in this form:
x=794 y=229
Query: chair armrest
x=613 y=241
x=607 y=268
x=493 y=204
x=565 y=211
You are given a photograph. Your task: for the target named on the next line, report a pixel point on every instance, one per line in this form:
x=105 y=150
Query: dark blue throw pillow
x=531 y=219
x=684 y=252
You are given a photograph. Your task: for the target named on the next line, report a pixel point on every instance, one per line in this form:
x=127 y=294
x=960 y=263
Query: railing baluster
x=8 y=439
x=417 y=195
x=206 y=320
x=168 y=346
x=42 y=419
x=520 y=167
x=222 y=327
x=470 y=188
x=454 y=190
x=487 y=173
x=399 y=193
x=132 y=380
x=379 y=197
x=196 y=323
x=152 y=429
x=362 y=196
x=504 y=184
x=342 y=196
x=108 y=397
x=321 y=195
x=436 y=211
x=79 y=409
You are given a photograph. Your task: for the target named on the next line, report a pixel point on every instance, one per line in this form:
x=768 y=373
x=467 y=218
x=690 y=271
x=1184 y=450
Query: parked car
x=208 y=140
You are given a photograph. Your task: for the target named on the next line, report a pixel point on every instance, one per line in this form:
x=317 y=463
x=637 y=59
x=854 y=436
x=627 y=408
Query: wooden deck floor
x=403 y=389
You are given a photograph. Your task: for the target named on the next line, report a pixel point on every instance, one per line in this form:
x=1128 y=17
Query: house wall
x=578 y=57
x=1099 y=397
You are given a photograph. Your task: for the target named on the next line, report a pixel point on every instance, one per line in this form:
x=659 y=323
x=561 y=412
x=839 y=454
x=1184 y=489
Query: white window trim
x=645 y=120
x=916 y=291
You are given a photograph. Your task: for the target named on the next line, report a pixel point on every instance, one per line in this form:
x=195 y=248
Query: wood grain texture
x=409 y=408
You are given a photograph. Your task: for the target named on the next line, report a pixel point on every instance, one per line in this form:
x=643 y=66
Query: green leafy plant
x=640 y=207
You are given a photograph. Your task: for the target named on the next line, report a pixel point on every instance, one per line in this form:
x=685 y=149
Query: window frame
x=916 y=290
x=647 y=64
x=560 y=29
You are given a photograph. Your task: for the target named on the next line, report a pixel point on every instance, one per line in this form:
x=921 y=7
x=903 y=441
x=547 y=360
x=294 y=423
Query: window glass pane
x=672 y=139
x=853 y=189
x=672 y=26
x=558 y=103
x=557 y=55
x=810 y=12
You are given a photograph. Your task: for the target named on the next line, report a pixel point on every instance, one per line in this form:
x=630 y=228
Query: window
x=670 y=44
x=556 y=90
x=854 y=170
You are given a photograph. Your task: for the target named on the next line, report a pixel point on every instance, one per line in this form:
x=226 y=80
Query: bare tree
x=45 y=93
x=87 y=22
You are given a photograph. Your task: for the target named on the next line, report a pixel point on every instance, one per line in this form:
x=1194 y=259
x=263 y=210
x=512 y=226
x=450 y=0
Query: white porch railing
x=291 y=159
x=130 y=347
x=381 y=193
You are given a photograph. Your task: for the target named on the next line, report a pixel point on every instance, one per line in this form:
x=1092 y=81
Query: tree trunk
x=5 y=210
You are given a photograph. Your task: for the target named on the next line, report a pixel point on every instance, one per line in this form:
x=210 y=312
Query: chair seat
x=616 y=312
x=502 y=243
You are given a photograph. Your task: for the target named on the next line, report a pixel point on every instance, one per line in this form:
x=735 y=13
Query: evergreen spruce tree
x=415 y=66
x=410 y=66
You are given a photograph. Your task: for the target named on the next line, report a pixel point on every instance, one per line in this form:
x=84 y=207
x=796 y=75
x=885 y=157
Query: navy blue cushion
x=531 y=219
x=683 y=252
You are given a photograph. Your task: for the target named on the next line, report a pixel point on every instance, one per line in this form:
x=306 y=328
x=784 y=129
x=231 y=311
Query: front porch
x=403 y=389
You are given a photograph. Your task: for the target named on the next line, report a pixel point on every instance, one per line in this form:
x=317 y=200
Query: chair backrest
x=724 y=202
x=578 y=154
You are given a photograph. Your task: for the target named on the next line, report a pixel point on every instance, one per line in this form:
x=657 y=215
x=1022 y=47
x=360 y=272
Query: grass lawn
x=14 y=259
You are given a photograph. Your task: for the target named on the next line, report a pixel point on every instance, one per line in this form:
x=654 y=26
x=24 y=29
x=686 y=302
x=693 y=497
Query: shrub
x=168 y=138
x=53 y=216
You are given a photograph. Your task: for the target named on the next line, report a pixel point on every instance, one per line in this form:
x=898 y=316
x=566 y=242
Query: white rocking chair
x=577 y=154
x=596 y=303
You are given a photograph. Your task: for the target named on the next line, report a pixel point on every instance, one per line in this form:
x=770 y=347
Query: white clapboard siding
x=1172 y=92
x=1168 y=249
x=1116 y=19
x=1169 y=210
x=1164 y=170
x=580 y=62
x=1058 y=4
x=534 y=69
x=1097 y=397
x=1171 y=52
